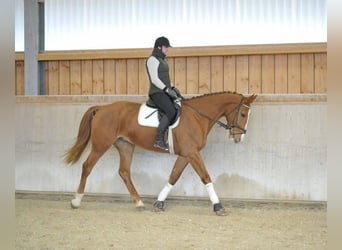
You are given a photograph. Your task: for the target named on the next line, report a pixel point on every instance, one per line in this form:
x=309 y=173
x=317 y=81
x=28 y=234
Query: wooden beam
x=19 y=56
x=93 y=54
x=185 y=51
x=97 y=99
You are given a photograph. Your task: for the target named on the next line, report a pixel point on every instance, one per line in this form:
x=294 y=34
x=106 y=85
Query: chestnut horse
x=116 y=124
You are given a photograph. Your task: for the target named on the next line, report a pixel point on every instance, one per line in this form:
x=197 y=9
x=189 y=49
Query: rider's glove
x=177 y=91
x=171 y=93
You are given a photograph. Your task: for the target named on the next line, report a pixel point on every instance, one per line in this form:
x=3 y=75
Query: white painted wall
x=283 y=156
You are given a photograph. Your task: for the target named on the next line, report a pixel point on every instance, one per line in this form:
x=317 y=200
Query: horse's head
x=238 y=118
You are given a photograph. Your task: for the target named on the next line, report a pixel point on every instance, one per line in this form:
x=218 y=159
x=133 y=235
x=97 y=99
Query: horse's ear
x=251 y=99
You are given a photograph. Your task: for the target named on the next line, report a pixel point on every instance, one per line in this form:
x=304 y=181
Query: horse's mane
x=215 y=93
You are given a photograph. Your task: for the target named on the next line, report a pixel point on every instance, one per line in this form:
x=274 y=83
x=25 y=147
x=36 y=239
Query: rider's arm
x=152 y=67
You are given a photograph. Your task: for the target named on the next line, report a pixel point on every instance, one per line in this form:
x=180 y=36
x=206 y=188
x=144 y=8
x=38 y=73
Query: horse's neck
x=214 y=105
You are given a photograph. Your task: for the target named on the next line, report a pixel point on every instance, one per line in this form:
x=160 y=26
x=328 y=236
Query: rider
x=161 y=91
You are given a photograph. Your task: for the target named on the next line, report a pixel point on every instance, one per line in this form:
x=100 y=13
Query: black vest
x=163 y=72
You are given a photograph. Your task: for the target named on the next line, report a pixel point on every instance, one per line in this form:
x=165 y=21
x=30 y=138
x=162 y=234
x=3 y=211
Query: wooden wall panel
x=75 y=77
x=132 y=76
x=294 y=74
x=307 y=73
x=180 y=74
x=171 y=62
x=242 y=74
x=98 y=81
x=267 y=74
x=52 y=78
x=320 y=73
x=229 y=71
x=204 y=69
x=254 y=74
x=144 y=83
x=121 y=77
x=109 y=76
x=64 y=78
x=19 y=78
x=296 y=68
x=216 y=74
x=87 y=77
x=192 y=75
x=280 y=74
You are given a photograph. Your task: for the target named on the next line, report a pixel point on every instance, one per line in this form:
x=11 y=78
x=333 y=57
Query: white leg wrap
x=165 y=191
x=77 y=201
x=212 y=194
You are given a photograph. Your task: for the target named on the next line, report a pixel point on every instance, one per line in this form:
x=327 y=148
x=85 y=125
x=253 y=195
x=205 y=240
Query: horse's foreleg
x=198 y=165
x=126 y=150
x=177 y=170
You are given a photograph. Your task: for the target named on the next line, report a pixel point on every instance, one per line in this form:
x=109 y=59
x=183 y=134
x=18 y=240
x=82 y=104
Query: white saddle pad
x=149 y=117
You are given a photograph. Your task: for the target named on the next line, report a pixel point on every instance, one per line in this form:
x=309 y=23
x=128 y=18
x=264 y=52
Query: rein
x=226 y=126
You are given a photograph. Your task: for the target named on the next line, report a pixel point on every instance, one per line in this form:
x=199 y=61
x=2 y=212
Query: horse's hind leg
x=87 y=166
x=126 y=150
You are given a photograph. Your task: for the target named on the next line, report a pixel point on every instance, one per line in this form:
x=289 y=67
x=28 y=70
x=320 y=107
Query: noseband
x=226 y=126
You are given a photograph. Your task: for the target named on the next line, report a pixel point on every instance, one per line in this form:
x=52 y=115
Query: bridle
x=226 y=126
x=236 y=118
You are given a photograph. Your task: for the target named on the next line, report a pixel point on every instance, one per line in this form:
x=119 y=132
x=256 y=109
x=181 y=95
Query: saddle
x=149 y=115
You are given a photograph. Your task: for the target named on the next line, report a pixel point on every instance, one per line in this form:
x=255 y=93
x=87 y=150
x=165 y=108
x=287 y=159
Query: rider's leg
x=159 y=141
x=166 y=105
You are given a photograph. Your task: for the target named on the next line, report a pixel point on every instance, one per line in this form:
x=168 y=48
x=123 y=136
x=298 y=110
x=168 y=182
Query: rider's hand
x=171 y=93
x=177 y=91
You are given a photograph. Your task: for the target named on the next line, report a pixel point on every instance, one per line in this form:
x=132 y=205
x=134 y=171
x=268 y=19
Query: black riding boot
x=163 y=126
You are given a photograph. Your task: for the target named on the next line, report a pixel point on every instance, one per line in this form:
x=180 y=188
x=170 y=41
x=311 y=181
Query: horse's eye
x=243 y=115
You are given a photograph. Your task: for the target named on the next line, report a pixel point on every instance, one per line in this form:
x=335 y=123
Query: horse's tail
x=84 y=132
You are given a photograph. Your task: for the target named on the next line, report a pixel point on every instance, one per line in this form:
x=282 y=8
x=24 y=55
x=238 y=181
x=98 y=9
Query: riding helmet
x=162 y=41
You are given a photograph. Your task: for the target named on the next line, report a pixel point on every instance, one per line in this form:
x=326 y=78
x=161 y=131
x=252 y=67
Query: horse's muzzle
x=236 y=137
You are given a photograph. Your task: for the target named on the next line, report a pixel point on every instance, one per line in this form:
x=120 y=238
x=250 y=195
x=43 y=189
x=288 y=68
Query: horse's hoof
x=73 y=206
x=140 y=206
x=219 y=210
x=75 y=203
x=158 y=206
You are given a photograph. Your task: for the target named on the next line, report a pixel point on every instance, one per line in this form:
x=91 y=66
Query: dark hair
x=160 y=41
